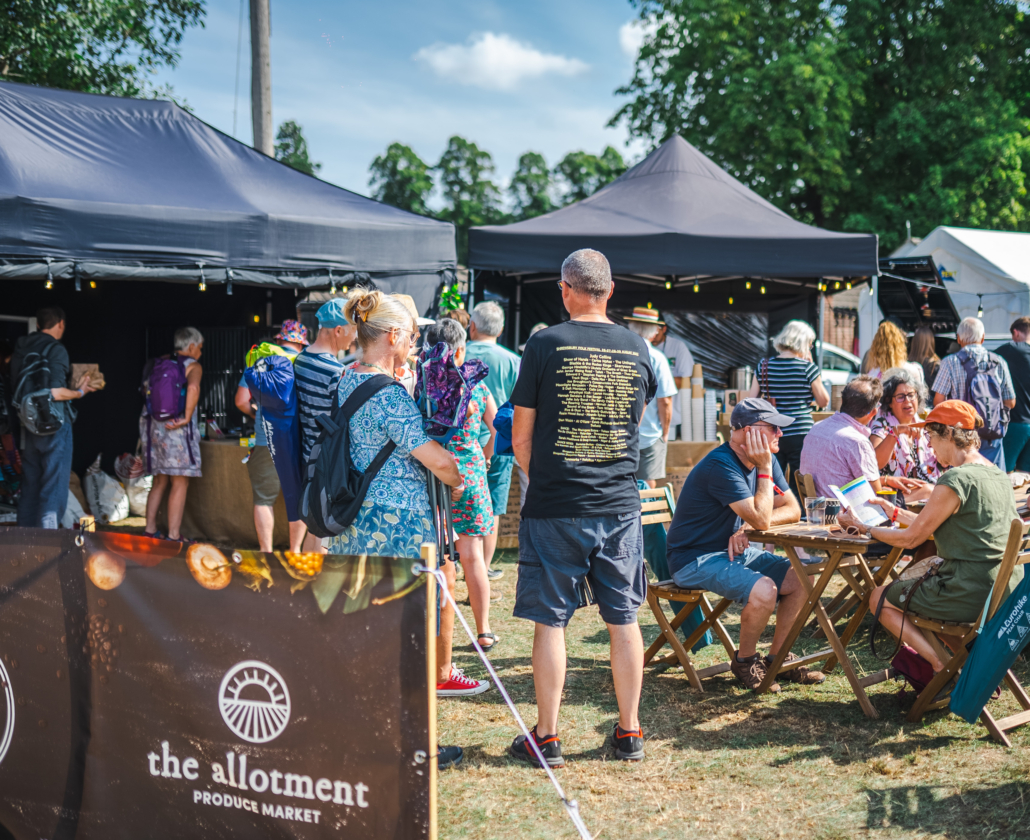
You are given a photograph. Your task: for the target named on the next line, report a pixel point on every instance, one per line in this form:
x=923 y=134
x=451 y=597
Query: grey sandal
x=494 y=640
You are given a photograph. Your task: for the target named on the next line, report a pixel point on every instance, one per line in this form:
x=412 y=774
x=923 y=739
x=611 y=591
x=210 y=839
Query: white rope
x=571 y=806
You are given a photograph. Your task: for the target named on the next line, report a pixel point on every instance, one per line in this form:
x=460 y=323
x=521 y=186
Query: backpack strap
x=359 y=396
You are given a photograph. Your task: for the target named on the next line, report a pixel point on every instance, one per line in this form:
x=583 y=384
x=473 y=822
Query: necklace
x=380 y=369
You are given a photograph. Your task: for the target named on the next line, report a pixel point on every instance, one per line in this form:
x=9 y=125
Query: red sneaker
x=460 y=686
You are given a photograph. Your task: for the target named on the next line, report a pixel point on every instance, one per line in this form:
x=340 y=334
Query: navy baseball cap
x=756 y=410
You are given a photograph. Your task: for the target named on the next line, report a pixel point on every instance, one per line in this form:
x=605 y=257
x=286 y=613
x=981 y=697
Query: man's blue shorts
x=555 y=554
x=733 y=579
x=498 y=480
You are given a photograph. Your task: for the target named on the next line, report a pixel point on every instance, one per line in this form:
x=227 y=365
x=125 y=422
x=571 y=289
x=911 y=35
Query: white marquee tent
x=979 y=267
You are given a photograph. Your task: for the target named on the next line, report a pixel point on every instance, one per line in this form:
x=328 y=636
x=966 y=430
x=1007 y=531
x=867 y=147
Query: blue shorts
x=498 y=480
x=733 y=579
x=555 y=554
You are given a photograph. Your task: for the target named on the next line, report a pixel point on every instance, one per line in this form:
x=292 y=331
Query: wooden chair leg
x=996 y=732
x=670 y=636
x=926 y=697
x=717 y=628
x=681 y=616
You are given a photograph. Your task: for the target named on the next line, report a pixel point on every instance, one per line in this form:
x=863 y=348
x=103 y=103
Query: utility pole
x=261 y=76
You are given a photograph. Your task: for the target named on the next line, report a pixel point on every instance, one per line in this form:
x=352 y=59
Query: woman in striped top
x=791 y=381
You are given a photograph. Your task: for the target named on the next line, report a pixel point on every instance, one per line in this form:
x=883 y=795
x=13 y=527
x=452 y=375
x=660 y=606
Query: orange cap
x=960 y=415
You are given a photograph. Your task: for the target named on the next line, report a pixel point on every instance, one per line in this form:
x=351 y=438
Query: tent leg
x=518 y=313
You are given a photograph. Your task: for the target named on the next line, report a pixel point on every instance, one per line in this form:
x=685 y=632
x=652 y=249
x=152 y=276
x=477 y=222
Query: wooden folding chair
x=806 y=487
x=657 y=507
x=1017 y=551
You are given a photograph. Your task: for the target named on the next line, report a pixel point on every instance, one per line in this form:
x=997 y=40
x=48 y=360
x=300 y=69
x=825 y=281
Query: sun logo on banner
x=7 y=721
x=254 y=702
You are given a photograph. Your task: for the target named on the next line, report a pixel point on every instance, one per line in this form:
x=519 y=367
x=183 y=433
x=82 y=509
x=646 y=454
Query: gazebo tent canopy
x=676 y=214
x=107 y=188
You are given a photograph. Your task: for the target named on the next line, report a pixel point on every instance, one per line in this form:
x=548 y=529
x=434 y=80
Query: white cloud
x=495 y=62
x=632 y=35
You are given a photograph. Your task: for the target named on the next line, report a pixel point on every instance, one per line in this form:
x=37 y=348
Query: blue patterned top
x=390 y=415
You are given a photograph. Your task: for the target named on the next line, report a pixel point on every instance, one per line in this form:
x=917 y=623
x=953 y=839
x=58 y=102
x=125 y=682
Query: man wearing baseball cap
x=740 y=484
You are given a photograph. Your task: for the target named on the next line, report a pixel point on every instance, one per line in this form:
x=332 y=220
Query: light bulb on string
x=847 y=285
x=697 y=288
x=761 y=289
x=49 y=276
x=747 y=284
x=836 y=285
x=92 y=284
x=668 y=284
x=202 y=285
x=332 y=283
x=980 y=306
x=731 y=301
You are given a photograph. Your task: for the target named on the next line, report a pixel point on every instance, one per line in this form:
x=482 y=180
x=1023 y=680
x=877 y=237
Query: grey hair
x=645 y=331
x=795 y=336
x=587 y=271
x=447 y=330
x=488 y=318
x=185 y=336
x=970 y=330
x=896 y=377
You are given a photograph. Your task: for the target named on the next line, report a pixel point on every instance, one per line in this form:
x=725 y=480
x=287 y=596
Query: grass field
x=724 y=764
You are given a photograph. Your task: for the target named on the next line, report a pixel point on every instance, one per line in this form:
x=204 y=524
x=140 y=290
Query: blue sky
x=512 y=77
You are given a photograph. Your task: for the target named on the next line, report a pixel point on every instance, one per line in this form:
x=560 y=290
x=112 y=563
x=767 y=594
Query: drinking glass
x=815 y=510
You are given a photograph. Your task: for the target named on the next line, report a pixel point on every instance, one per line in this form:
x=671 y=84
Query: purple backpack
x=164 y=390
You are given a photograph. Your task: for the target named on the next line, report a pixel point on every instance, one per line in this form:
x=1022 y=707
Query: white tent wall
x=869 y=316
x=994 y=264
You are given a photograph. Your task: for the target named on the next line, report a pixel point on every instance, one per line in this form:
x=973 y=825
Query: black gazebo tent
x=678 y=231
x=106 y=188
x=99 y=192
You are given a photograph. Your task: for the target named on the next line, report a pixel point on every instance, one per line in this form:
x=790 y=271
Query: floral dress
x=395 y=518
x=473 y=515
x=168 y=451
x=913 y=457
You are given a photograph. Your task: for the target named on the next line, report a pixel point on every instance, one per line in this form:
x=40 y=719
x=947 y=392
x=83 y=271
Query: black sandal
x=493 y=641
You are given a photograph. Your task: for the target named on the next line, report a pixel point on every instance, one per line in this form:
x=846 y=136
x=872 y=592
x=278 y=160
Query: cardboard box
x=96 y=378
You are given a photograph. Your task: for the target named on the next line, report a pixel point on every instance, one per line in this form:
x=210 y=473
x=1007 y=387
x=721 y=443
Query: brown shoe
x=751 y=672
x=800 y=675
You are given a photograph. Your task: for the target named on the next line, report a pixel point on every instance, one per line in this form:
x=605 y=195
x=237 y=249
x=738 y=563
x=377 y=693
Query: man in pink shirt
x=837 y=450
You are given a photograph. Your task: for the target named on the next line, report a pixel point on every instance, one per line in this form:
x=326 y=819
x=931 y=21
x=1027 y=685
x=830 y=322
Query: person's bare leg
x=264 y=524
x=157 y=492
x=297 y=531
x=627 y=653
x=176 y=504
x=445 y=640
x=792 y=599
x=313 y=544
x=490 y=543
x=652 y=483
x=891 y=616
x=549 y=676
x=470 y=549
x=754 y=618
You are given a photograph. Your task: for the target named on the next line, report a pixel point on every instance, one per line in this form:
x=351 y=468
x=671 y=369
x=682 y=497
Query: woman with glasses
x=903 y=452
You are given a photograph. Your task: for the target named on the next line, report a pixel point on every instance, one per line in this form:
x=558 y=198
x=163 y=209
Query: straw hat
x=409 y=304
x=645 y=315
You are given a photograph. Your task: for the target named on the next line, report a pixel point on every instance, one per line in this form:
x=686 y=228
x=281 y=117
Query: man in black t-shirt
x=579 y=398
x=1017 y=357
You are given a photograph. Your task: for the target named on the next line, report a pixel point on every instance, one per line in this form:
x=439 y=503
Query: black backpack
x=333 y=489
x=37 y=410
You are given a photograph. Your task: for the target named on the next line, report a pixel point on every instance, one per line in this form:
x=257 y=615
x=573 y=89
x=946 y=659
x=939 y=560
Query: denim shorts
x=498 y=481
x=555 y=554
x=733 y=579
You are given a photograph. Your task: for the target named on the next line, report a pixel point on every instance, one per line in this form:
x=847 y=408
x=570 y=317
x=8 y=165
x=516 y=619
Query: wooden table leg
x=856 y=620
x=839 y=649
x=814 y=594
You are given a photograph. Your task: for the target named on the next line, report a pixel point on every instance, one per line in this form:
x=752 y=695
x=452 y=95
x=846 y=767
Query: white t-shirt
x=682 y=363
x=651 y=424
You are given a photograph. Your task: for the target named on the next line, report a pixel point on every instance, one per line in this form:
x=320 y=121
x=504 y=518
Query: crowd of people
x=592 y=404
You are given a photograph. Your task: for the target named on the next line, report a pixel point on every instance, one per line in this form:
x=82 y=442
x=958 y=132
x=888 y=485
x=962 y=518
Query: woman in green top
x=968 y=515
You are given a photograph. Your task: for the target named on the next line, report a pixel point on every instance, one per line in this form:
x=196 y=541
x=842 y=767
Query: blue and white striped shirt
x=316 y=376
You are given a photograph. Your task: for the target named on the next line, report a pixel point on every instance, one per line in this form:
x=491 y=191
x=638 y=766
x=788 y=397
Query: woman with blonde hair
x=395 y=518
x=790 y=381
x=890 y=350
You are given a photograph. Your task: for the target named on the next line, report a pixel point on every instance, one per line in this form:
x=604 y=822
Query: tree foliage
x=291 y=148
x=97 y=46
x=400 y=178
x=470 y=196
x=856 y=114
x=531 y=187
x=581 y=174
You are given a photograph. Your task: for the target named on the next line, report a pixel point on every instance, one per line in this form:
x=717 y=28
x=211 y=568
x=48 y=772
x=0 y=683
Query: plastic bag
x=106 y=495
x=138 y=489
x=73 y=512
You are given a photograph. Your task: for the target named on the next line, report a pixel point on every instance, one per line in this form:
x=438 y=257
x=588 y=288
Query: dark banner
x=152 y=690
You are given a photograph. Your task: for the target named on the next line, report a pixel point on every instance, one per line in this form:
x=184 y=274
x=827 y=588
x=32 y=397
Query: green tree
x=401 y=178
x=531 y=187
x=292 y=149
x=581 y=174
x=855 y=114
x=97 y=46
x=470 y=196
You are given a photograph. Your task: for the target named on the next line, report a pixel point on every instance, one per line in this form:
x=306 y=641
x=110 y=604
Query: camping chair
x=657 y=506
x=1016 y=551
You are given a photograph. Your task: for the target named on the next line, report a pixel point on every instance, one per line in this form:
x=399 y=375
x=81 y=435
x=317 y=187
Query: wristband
x=81 y=393
x=894 y=516
x=763 y=475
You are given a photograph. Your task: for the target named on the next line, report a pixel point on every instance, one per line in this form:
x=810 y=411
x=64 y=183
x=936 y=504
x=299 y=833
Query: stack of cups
x=697 y=404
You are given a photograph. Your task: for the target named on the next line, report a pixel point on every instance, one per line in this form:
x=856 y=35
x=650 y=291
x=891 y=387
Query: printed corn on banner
x=154 y=690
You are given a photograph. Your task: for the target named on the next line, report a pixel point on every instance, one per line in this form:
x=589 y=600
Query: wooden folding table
x=845 y=556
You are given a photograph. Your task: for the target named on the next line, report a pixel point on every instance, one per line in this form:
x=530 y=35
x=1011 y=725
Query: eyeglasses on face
x=905 y=398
